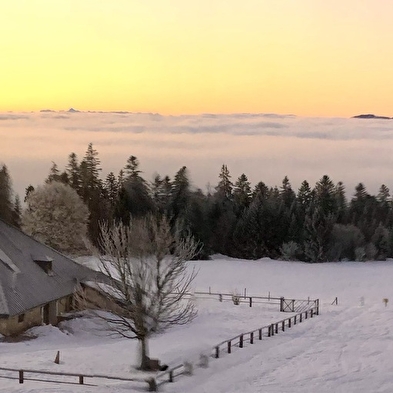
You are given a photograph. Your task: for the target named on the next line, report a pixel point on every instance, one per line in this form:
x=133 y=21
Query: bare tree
x=146 y=263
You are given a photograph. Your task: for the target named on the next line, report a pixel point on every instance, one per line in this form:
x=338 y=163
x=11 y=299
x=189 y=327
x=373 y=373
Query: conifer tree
x=6 y=208
x=89 y=172
x=180 y=194
x=134 y=196
x=161 y=193
x=17 y=212
x=111 y=188
x=305 y=195
x=225 y=186
x=287 y=195
x=28 y=190
x=324 y=195
x=318 y=231
x=73 y=172
x=242 y=193
x=341 y=202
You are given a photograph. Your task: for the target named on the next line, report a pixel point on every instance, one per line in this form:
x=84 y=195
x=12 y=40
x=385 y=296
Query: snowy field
x=348 y=348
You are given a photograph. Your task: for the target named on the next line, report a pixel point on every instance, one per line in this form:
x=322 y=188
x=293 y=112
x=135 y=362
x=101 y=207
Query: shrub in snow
x=188 y=368
x=236 y=299
x=371 y=252
x=360 y=254
x=289 y=251
x=380 y=240
x=344 y=241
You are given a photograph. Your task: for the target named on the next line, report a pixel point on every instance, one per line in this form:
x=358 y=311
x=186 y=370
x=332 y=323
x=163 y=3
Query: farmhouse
x=37 y=283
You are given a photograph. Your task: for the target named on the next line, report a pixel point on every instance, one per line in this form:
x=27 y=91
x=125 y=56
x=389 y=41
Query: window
x=21 y=318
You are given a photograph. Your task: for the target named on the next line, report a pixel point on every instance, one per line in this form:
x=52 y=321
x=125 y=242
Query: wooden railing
x=285 y=305
x=21 y=376
x=226 y=346
x=223 y=347
x=265 y=331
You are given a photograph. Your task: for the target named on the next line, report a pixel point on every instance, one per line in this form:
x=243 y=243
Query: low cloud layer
x=265 y=147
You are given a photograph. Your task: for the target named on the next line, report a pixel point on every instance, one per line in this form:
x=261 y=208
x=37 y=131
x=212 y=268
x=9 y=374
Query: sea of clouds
x=266 y=147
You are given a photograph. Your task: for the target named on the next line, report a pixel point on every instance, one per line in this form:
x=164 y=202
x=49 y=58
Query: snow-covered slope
x=348 y=348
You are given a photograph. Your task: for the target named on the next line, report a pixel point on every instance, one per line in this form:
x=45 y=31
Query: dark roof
x=23 y=283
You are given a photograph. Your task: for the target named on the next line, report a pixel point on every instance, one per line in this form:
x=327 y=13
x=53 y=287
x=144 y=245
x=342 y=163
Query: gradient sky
x=307 y=57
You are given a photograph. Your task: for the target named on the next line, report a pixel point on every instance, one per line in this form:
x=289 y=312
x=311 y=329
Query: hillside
x=346 y=349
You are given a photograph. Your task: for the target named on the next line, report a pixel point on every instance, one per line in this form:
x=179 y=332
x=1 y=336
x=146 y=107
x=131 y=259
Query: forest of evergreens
x=314 y=223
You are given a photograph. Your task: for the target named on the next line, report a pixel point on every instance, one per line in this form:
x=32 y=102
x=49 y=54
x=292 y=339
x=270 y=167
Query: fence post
x=281 y=304
x=272 y=329
x=220 y=297
x=229 y=347
x=269 y=331
x=241 y=341
x=301 y=317
x=283 y=326
x=311 y=313
x=260 y=334
x=20 y=376
x=250 y=301
x=317 y=306
x=217 y=355
x=252 y=338
x=294 y=319
x=203 y=360
x=80 y=379
x=152 y=384
x=306 y=315
x=276 y=328
x=171 y=376
x=293 y=305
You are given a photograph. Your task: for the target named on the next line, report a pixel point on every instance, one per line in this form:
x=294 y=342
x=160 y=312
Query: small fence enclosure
x=304 y=309
x=265 y=331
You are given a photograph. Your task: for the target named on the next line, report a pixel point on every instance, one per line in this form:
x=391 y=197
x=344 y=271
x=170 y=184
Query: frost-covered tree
x=57 y=216
x=6 y=208
x=146 y=263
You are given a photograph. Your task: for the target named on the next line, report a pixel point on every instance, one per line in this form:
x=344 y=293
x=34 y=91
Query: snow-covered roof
x=23 y=283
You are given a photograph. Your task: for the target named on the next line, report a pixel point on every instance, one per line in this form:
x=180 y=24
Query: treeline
x=314 y=224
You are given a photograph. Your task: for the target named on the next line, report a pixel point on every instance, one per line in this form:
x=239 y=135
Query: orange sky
x=307 y=57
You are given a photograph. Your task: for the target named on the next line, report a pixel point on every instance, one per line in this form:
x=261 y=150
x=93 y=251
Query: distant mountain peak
x=72 y=110
x=371 y=116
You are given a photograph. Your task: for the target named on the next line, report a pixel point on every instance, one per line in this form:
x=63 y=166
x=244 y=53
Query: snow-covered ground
x=348 y=348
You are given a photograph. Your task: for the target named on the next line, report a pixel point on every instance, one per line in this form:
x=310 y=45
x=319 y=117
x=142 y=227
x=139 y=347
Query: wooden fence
x=239 y=341
x=27 y=374
x=285 y=305
x=308 y=308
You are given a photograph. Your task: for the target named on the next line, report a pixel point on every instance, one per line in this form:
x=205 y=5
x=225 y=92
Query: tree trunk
x=144 y=354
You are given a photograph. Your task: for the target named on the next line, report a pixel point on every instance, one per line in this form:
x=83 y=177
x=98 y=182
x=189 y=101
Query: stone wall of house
x=19 y=323
x=94 y=299
x=34 y=317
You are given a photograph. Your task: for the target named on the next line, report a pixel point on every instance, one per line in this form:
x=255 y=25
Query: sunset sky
x=307 y=57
